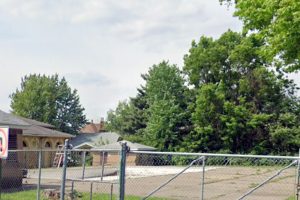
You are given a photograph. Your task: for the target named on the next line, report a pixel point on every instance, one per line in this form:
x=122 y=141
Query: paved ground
x=149 y=171
x=224 y=183
x=72 y=172
x=220 y=183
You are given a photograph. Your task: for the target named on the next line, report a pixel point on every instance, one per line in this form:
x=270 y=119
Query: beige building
x=27 y=134
x=35 y=136
x=42 y=136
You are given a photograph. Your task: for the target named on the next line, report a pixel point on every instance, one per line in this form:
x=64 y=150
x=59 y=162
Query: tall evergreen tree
x=129 y=118
x=165 y=94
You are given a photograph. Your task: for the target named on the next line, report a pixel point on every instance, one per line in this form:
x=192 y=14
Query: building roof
x=94 y=139
x=131 y=145
x=85 y=145
x=36 y=123
x=30 y=127
x=39 y=131
x=10 y=120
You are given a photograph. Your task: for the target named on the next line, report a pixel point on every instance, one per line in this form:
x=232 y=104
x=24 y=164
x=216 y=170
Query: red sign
x=3 y=142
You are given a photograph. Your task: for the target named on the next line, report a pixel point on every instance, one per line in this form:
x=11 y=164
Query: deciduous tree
x=239 y=96
x=277 y=23
x=167 y=112
x=49 y=99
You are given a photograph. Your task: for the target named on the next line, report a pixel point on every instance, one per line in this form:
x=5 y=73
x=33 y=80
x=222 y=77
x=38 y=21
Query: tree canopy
x=157 y=115
x=166 y=113
x=239 y=97
x=277 y=23
x=49 y=99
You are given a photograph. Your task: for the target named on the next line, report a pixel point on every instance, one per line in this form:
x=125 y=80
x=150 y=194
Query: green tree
x=165 y=94
x=206 y=118
x=49 y=99
x=238 y=96
x=157 y=116
x=207 y=60
x=123 y=119
x=277 y=23
x=285 y=134
x=129 y=118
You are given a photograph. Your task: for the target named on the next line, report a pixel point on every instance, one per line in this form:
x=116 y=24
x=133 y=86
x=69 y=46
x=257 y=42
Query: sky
x=101 y=47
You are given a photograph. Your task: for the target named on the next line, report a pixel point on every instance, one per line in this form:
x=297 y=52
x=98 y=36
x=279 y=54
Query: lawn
x=31 y=194
x=291 y=198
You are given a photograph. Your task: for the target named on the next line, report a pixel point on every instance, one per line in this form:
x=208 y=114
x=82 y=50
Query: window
x=57 y=144
x=12 y=142
x=12 y=145
x=48 y=145
x=25 y=144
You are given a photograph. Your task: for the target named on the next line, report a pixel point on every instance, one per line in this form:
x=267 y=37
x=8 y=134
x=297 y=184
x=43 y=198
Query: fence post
x=122 y=170
x=72 y=191
x=38 y=196
x=111 y=191
x=63 y=179
x=83 y=163
x=298 y=178
x=102 y=169
x=91 y=191
x=203 y=176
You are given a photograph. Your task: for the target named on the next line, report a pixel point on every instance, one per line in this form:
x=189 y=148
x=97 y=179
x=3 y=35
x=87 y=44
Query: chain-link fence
x=93 y=174
x=36 y=174
x=210 y=176
x=133 y=175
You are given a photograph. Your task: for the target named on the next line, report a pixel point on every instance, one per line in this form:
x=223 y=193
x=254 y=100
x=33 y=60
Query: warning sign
x=3 y=142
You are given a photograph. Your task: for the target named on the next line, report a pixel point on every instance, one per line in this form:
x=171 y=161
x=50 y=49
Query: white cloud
x=28 y=9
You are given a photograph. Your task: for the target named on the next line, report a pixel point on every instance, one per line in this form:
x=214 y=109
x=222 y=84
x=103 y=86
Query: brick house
x=92 y=127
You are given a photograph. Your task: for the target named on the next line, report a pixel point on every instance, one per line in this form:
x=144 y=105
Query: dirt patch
x=220 y=183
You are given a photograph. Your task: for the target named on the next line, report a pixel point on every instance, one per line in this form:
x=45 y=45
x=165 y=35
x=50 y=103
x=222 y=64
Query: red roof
x=93 y=127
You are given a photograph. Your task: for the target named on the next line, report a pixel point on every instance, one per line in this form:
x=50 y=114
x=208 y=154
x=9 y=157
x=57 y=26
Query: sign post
x=3 y=150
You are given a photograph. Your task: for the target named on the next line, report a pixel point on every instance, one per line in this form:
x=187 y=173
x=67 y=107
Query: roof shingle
x=11 y=120
x=95 y=139
x=131 y=145
x=30 y=127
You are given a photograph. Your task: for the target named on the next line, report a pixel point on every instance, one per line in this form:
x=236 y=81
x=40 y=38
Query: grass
x=31 y=194
x=291 y=198
x=26 y=195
